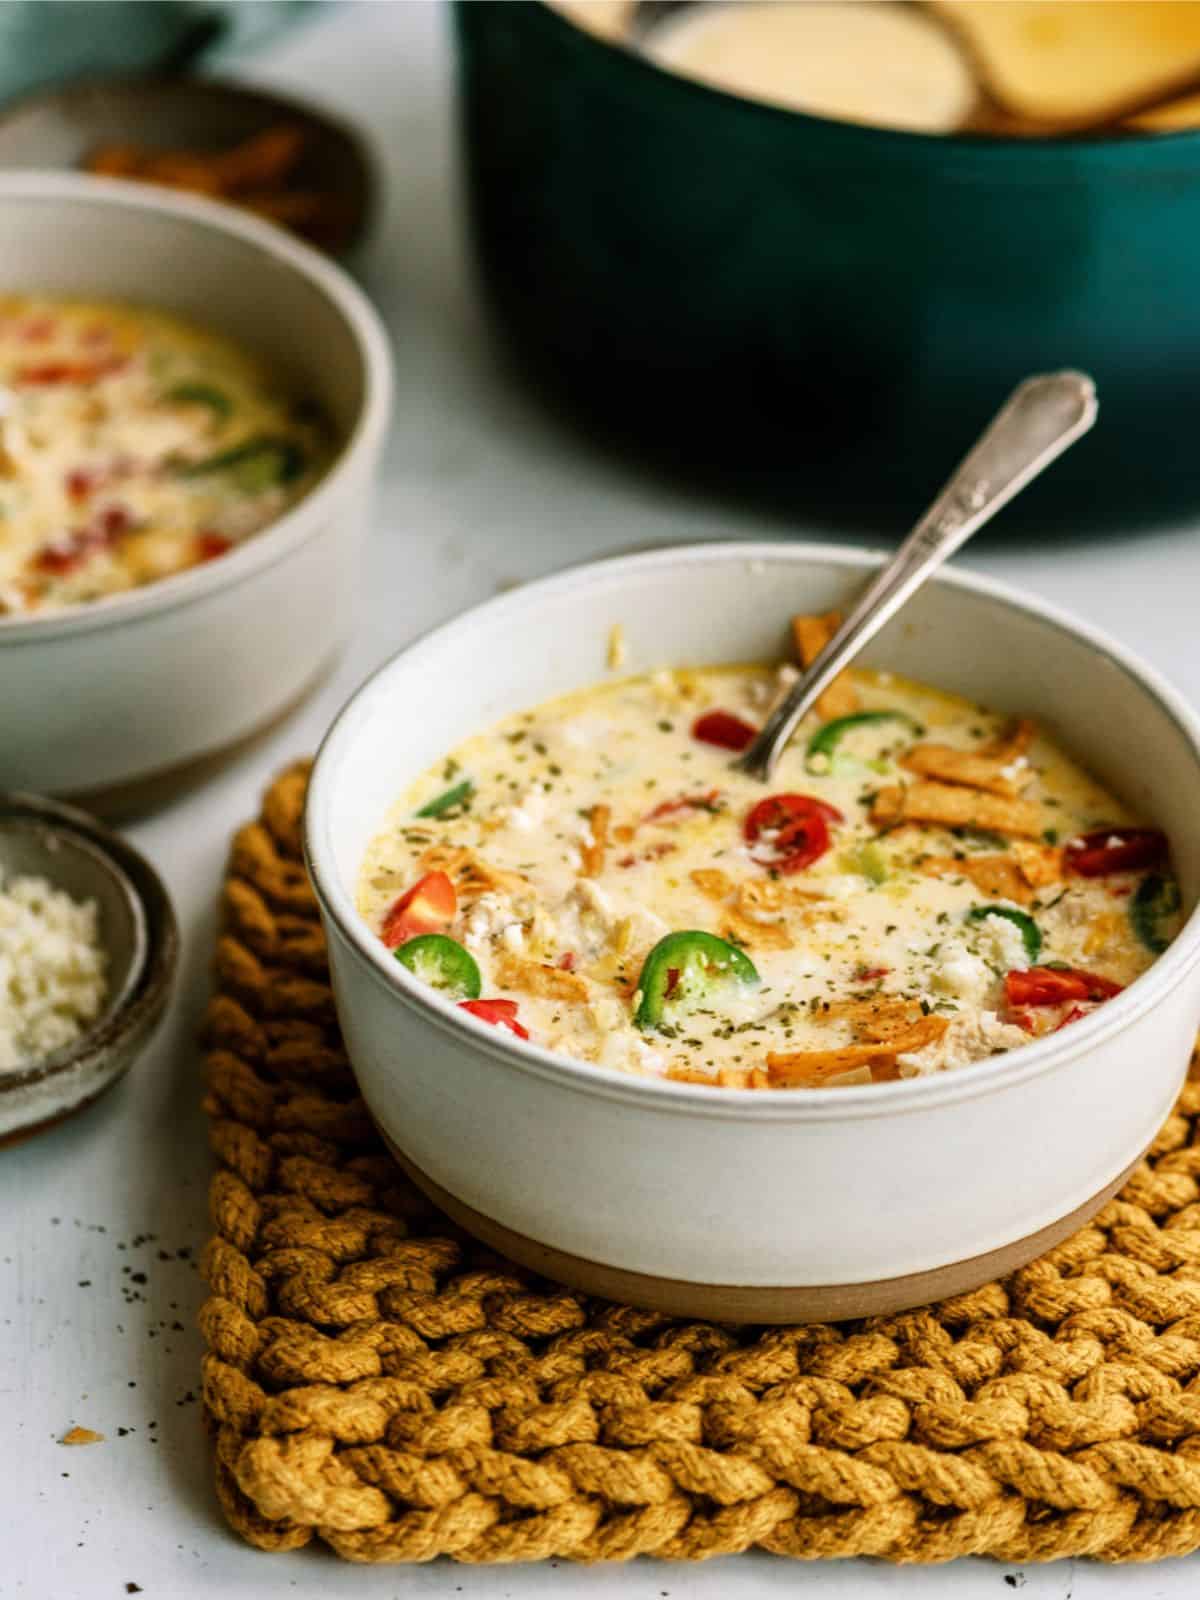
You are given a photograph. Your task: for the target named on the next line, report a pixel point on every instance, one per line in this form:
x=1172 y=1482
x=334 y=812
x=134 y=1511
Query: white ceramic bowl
x=756 y=1205
x=109 y=700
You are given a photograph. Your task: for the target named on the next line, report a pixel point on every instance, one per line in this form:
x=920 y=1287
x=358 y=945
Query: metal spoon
x=1039 y=420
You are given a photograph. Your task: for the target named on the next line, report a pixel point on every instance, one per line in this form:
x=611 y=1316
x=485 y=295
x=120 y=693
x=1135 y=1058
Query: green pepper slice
x=443 y=964
x=259 y=463
x=688 y=966
x=818 y=757
x=1031 y=934
x=200 y=394
x=440 y=804
x=1154 y=902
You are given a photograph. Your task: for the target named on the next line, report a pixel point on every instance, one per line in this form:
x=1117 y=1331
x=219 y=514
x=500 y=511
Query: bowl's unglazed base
x=719 y=1302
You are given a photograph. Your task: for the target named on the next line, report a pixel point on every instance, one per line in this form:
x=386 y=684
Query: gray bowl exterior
x=740 y=1188
x=61 y=126
x=820 y=311
x=123 y=690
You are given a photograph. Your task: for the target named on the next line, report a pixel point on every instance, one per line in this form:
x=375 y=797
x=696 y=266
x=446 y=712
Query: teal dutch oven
x=821 y=309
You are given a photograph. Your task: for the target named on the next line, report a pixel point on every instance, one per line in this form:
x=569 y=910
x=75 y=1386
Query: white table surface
x=482 y=486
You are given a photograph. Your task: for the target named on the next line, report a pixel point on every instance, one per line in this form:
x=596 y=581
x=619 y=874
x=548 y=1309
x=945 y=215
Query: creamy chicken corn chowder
x=133 y=446
x=923 y=885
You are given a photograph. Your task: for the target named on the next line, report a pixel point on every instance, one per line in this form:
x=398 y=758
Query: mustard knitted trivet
x=376 y=1379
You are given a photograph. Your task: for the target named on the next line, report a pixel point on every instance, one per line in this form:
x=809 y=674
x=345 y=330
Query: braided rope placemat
x=376 y=1379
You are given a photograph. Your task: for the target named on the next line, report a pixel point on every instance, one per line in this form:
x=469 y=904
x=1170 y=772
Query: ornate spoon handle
x=1039 y=420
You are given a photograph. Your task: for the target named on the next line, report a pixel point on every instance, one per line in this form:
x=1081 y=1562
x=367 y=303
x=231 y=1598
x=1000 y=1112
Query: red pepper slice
x=798 y=824
x=1114 y=850
x=684 y=802
x=1056 y=986
x=49 y=372
x=211 y=545
x=81 y=482
x=500 y=1013
x=724 y=730
x=428 y=907
x=73 y=549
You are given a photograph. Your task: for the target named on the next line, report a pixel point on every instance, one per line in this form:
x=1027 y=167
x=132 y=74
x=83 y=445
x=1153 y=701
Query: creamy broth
x=133 y=446
x=944 y=907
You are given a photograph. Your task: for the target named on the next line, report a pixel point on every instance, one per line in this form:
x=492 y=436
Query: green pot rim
x=1123 y=149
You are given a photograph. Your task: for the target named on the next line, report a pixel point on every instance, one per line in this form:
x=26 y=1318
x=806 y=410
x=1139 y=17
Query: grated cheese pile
x=52 y=982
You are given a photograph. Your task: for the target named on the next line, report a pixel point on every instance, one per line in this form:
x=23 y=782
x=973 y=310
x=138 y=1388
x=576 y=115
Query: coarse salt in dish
x=53 y=980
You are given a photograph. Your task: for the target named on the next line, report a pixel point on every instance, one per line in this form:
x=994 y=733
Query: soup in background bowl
x=134 y=445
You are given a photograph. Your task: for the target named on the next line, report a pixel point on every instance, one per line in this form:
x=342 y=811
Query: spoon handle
x=1038 y=421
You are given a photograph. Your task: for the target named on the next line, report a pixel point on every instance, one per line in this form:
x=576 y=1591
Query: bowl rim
x=803 y=1105
x=865 y=132
x=151 y=979
x=278 y=539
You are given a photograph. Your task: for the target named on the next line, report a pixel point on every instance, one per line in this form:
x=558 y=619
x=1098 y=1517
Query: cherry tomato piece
x=211 y=545
x=428 y=907
x=778 y=809
x=1056 y=986
x=798 y=826
x=1106 y=850
x=724 y=730
x=500 y=1013
x=1076 y=1014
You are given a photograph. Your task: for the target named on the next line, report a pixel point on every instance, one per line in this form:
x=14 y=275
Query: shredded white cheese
x=52 y=970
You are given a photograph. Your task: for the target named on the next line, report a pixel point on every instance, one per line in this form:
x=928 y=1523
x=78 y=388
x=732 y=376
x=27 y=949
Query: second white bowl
x=111 y=701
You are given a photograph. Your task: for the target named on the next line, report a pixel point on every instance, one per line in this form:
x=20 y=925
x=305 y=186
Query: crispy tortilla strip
x=1012 y=741
x=998 y=877
x=743 y=1078
x=814 y=1067
x=470 y=875
x=951 y=807
x=966 y=767
x=593 y=854
x=810 y=1068
x=884 y=1069
x=877 y=1019
x=758 y=897
x=711 y=881
x=533 y=977
x=627 y=986
x=1039 y=864
x=810 y=635
x=924 y=1031
x=738 y=929
x=682 y=1074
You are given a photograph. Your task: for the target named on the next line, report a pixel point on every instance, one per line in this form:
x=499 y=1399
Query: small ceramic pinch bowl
x=775 y=1205
x=136 y=926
